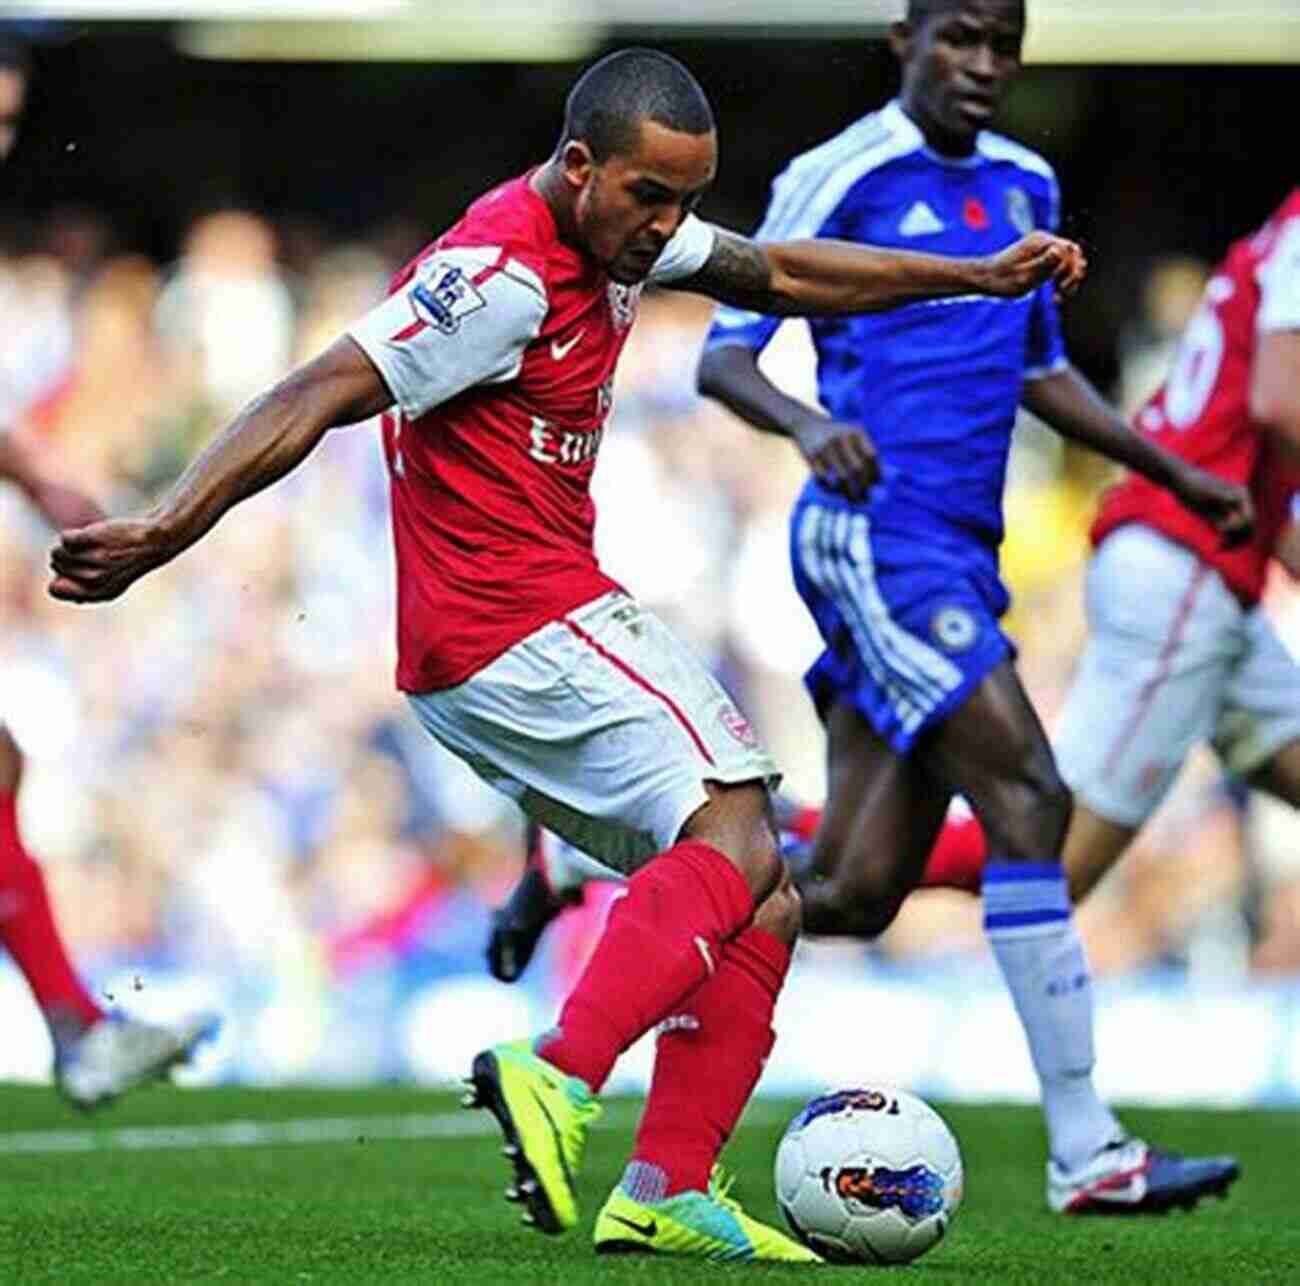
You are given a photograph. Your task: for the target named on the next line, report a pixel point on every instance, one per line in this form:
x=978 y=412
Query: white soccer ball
x=869 y=1176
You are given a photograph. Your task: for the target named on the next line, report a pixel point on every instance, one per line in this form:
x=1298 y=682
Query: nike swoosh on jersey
x=560 y=351
x=645 y=1229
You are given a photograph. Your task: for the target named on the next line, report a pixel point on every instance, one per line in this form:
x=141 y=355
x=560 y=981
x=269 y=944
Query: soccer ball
x=868 y=1176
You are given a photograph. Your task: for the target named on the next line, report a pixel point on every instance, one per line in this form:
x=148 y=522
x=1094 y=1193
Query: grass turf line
x=431 y=1210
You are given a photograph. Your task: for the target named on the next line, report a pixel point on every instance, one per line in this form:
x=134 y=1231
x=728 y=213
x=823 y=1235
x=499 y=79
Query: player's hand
x=65 y=507
x=1034 y=259
x=97 y=563
x=1227 y=505
x=841 y=455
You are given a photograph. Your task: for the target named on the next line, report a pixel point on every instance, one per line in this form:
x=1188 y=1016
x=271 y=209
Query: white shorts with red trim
x=603 y=727
x=1172 y=659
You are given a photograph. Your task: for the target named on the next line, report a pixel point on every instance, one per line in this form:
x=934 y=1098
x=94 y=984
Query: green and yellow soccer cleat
x=544 y=1116
x=702 y=1225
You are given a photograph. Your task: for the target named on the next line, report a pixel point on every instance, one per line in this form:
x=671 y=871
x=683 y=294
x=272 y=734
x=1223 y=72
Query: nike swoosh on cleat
x=642 y=1229
x=1119 y=1189
x=560 y=351
x=555 y=1136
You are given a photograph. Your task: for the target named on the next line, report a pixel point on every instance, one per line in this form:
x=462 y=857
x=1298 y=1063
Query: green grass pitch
x=314 y=1186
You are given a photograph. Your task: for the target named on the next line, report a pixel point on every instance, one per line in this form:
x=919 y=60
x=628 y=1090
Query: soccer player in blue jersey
x=895 y=548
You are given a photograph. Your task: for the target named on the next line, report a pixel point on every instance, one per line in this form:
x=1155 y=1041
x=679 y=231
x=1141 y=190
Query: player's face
x=13 y=93
x=629 y=205
x=957 y=65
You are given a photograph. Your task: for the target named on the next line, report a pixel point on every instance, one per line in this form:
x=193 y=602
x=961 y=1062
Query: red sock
x=708 y=1058
x=662 y=939
x=27 y=928
x=957 y=859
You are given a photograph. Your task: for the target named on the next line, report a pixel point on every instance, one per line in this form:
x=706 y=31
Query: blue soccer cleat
x=1129 y=1177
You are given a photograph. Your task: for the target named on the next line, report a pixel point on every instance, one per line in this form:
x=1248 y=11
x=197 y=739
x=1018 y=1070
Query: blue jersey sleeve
x=737 y=326
x=1045 y=345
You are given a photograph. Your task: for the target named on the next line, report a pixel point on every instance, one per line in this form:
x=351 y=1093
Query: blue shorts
x=908 y=612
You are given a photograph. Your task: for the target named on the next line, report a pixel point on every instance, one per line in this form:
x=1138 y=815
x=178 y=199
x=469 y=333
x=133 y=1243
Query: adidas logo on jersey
x=920 y=221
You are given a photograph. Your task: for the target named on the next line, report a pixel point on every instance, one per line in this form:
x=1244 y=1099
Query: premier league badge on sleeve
x=443 y=296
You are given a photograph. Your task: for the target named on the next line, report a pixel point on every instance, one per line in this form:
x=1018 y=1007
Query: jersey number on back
x=1195 y=370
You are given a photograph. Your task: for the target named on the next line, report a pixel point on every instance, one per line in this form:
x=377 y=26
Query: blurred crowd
x=221 y=773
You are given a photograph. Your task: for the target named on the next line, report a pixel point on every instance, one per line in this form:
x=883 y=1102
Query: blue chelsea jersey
x=935 y=383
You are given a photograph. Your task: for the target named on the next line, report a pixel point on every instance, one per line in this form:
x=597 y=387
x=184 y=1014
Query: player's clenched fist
x=1034 y=259
x=97 y=563
x=1226 y=505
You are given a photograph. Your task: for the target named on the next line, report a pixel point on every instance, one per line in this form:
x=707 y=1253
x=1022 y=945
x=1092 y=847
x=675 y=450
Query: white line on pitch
x=254 y=1134
x=249 y=1134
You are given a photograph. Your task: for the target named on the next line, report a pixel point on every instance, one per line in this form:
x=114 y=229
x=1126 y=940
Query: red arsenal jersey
x=498 y=343
x=1202 y=412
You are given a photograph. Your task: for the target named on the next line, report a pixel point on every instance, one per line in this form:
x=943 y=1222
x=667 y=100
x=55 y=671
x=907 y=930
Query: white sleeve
x=463 y=319
x=686 y=253
x=1279 y=282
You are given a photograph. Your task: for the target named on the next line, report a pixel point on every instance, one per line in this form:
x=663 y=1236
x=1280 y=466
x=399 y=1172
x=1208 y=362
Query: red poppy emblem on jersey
x=975 y=214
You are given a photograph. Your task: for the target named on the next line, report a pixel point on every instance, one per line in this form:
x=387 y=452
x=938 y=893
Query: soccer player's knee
x=862 y=908
x=781 y=914
x=1036 y=813
x=763 y=868
x=1054 y=798
x=737 y=821
x=875 y=915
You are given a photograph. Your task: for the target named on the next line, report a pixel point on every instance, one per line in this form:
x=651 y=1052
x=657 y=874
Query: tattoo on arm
x=737 y=272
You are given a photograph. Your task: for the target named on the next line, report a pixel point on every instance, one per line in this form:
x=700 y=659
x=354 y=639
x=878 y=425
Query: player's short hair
x=14 y=56
x=919 y=10
x=612 y=97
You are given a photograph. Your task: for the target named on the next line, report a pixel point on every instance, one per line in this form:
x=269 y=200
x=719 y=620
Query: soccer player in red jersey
x=1179 y=650
x=96 y=1055
x=492 y=362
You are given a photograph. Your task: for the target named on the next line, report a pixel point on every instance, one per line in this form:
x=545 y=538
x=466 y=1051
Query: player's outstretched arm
x=1067 y=402
x=61 y=506
x=827 y=278
x=270 y=437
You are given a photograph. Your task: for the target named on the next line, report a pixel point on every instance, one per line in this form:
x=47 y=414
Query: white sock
x=1031 y=929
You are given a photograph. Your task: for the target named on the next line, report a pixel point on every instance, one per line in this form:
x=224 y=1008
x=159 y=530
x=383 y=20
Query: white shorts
x=603 y=727
x=1172 y=659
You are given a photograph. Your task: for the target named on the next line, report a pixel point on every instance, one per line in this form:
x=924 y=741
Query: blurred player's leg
x=548 y=885
x=97 y=1056
x=1093 y=844
x=708 y=1058
x=1280 y=776
x=995 y=751
x=27 y=928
